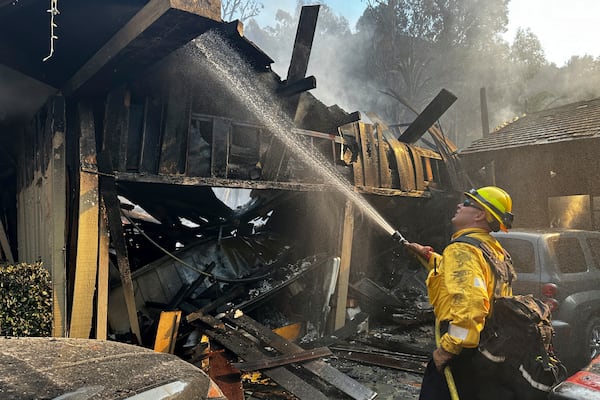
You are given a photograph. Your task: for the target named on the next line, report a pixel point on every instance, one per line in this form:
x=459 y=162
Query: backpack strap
x=503 y=269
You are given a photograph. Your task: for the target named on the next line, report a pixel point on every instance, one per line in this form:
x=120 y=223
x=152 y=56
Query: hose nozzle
x=397 y=236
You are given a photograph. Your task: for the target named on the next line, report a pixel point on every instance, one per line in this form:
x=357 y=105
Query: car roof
x=539 y=232
x=44 y=367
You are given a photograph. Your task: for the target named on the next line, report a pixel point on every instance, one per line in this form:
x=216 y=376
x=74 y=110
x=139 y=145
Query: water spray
x=233 y=72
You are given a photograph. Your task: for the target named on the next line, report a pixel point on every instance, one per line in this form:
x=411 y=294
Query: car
x=561 y=267
x=584 y=384
x=67 y=368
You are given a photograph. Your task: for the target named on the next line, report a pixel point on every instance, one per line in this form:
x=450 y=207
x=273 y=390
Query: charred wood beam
x=244 y=348
x=301 y=55
x=320 y=135
x=303 y=43
x=234 y=32
x=159 y=28
x=434 y=110
x=297 y=87
x=86 y=258
x=278 y=361
x=231 y=294
x=234 y=183
x=109 y=194
x=221 y=182
x=348 y=330
x=400 y=361
x=353 y=117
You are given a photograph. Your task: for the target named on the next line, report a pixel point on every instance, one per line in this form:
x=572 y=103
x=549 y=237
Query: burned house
x=547 y=160
x=148 y=112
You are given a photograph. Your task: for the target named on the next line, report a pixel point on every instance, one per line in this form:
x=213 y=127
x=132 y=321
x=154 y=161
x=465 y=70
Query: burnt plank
x=303 y=43
x=177 y=125
x=374 y=153
x=220 y=147
x=159 y=28
x=320 y=368
x=245 y=349
x=385 y=174
x=222 y=182
x=274 y=159
x=199 y=149
x=434 y=110
x=305 y=34
x=400 y=361
x=278 y=361
x=115 y=127
x=151 y=137
x=344 y=332
x=134 y=137
x=299 y=86
x=418 y=165
x=369 y=162
x=82 y=309
x=357 y=165
x=219 y=301
x=115 y=227
x=406 y=170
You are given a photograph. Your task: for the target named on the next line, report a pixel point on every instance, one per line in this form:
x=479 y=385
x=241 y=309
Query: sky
x=564 y=27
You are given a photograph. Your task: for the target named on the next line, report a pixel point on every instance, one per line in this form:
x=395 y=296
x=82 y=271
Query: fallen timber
x=246 y=349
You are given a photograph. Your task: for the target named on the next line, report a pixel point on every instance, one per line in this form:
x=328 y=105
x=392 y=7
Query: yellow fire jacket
x=461 y=285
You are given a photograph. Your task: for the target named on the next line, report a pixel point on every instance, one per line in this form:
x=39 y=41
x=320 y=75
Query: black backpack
x=516 y=342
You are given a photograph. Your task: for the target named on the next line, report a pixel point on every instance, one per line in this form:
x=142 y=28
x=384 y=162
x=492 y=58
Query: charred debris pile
x=235 y=289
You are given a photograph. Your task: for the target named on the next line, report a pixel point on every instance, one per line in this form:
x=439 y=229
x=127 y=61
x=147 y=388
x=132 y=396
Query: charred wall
x=533 y=174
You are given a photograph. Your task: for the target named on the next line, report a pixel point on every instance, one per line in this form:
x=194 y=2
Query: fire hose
x=447 y=371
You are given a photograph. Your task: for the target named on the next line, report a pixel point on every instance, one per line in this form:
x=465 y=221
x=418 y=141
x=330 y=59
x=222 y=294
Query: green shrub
x=25 y=300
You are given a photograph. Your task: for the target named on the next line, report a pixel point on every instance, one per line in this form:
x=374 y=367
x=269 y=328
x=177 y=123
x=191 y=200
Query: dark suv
x=562 y=267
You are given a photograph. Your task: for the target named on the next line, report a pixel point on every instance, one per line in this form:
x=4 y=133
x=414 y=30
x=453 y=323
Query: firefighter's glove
x=441 y=358
x=419 y=250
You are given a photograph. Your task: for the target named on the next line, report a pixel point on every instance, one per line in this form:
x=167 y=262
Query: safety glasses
x=470 y=203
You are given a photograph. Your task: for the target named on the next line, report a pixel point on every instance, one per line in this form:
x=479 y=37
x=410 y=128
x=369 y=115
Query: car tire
x=591 y=340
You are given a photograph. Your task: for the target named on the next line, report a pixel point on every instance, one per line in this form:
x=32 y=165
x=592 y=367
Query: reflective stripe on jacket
x=460 y=285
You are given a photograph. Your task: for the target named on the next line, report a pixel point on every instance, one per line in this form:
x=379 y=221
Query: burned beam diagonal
x=158 y=29
x=244 y=348
x=319 y=368
x=434 y=110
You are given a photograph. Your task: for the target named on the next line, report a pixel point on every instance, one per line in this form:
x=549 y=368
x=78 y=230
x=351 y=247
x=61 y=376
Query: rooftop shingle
x=568 y=122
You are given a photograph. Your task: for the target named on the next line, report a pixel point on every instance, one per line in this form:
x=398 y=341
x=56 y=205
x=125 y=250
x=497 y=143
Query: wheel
x=592 y=339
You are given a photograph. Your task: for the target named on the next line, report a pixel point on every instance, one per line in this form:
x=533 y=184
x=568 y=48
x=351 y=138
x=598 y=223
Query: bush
x=25 y=300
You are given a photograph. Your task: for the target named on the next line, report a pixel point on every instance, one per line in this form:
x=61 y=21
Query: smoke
x=351 y=76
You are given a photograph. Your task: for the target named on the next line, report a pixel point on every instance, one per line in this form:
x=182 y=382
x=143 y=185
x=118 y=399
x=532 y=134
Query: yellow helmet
x=497 y=203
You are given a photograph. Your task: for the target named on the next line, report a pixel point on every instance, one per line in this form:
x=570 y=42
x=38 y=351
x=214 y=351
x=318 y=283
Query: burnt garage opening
x=118 y=185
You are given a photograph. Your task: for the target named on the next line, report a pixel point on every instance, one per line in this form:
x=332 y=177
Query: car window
x=568 y=254
x=594 y=245
x=521 y=252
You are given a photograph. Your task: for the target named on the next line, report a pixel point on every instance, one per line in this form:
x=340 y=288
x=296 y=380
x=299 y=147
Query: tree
x=527 y=52
x=243 y=9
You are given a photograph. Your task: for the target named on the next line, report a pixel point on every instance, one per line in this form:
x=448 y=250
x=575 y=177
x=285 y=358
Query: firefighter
x=461 y=286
